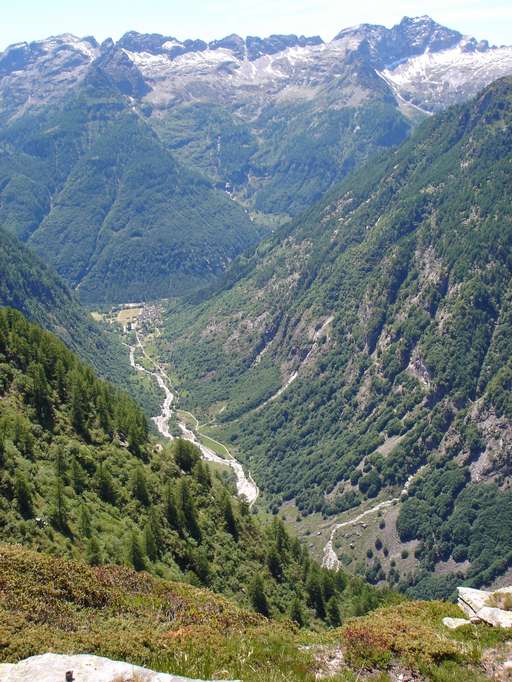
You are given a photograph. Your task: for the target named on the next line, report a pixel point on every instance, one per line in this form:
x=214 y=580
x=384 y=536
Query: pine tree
x=258 y=596
x=60 y=514
x=139 y=486
x=78 y=476
x=185 y=455
x=274 y=563
x=60 y=380
x=187 y=509
x=155 y=524
x=85 y=522
x=93 y=553
x=23 y=496
x=78 y=404
x=150 y=543
x=229 y=517
x=333 y=612
x=202 y=474
x=105 y=484
x=135 y=552
x=171 y=510
x=297 y=613
x=315 y=594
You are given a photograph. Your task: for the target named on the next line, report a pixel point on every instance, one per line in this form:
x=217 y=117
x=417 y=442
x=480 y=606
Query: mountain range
x=124 y=164
x=314 y=242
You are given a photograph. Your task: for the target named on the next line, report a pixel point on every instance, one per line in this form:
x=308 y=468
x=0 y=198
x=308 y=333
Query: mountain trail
x=330 y=559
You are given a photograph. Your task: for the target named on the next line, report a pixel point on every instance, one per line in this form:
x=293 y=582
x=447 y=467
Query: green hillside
x=81 y=478
x=390 y=304
x=282 y=157
x=90 y=186
x=31 y=287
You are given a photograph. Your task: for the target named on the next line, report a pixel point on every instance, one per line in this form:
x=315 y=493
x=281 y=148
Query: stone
x=454 y=623
x=471 y=600
x=86 y=668
x=497 y=617
x=476 y=604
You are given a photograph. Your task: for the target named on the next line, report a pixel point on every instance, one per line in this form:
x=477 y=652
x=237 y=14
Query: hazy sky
x=32 y=19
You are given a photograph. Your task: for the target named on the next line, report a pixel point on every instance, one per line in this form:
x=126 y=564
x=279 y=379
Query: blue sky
x=207 y=19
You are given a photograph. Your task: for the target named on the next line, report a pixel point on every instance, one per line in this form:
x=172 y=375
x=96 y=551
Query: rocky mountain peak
x=411 y=37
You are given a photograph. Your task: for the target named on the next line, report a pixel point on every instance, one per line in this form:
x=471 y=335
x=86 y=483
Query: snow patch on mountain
x=435 y=80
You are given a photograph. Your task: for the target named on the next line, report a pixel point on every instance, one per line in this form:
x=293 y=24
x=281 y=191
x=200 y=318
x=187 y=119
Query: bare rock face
x=85 y=668
x=482 y=606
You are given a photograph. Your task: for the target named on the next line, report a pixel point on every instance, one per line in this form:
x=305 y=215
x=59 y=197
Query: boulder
x=497 y=617
x=477 y=605
x=471 y=600
x=454 y=623
x=86 y=668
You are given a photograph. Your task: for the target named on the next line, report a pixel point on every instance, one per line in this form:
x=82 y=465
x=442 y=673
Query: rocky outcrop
x=483 y=607
x=85 y=668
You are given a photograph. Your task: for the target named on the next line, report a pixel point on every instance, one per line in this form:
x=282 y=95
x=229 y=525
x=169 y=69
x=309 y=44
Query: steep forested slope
x=80 y=477
x=31 y=287
x=89 y=185
x=387 y=308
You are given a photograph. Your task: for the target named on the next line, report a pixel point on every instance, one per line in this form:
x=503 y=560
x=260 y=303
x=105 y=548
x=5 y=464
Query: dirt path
x=330 y=559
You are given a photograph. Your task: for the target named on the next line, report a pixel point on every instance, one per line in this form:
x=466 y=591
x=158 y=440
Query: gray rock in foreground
x=479 y=606
x=86 y=668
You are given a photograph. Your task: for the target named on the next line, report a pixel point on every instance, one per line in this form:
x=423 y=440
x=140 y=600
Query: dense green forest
x=391 y=302
x=81 y=477
x=31 y=287
x=92 y=188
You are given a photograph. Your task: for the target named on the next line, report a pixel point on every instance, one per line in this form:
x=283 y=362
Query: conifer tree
x=187 y=509
x=229 y=518
x=135 y=552
x=60 y=514
x=105 y=484
x=85 y=522
x=333 y=612
x=78 y=476
x=60 y=380
x=23 y=496
x=315 y=594
x=139 y=486
x=185 y=455
x=93 y=553
x=150 y=543
x=258 y=596
x=171 y=510
x=274 y=563
x=297 y=612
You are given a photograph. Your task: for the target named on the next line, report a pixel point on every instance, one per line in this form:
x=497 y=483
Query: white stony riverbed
x=246 y=486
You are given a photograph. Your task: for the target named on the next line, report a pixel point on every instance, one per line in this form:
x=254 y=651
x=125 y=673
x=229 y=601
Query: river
x=245 y=484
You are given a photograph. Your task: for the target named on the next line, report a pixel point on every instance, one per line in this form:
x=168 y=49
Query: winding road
x=245 y=485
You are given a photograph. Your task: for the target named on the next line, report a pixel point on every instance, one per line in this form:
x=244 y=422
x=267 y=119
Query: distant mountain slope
x=371 y=337
x=89 y=186
x=276 y=121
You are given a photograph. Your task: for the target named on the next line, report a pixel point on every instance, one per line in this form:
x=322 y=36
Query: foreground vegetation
x=48 y=603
